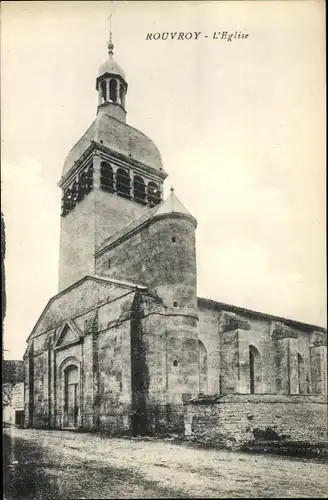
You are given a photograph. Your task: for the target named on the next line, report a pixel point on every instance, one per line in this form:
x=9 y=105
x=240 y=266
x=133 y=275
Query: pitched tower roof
x=172 y=204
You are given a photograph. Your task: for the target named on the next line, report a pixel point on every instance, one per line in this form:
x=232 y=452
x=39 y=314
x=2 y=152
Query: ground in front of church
x=50 y=465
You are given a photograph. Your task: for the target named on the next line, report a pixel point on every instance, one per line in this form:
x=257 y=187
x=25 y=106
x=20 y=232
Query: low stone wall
x=234 y=420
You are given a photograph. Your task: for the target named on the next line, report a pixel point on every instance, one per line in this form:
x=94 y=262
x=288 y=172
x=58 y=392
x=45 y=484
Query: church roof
x=120 y=138
x=111 y=66
x=214 y=304
x=171 y=205
x=94 y=289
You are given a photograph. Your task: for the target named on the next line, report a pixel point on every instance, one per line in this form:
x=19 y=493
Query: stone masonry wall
x=237 y=419
x=100 y=350
x=227 y=337
x=208 y=334
x=162 y=257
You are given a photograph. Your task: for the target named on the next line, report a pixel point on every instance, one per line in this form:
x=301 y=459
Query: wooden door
x=71 y=405
x=71 y=397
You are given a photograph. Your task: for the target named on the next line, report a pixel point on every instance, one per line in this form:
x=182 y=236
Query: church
x=126 y=346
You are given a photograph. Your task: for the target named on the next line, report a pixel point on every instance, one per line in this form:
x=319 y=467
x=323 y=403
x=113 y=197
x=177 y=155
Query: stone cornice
x=77 y=164
x=131 y=161
x=281 y=331
x=222 y=306
x=318 y=339
x=97 y=147
x=232 y=322
x=103 y=105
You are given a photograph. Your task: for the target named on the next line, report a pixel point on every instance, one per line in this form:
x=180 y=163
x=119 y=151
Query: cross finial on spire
x=110 y=41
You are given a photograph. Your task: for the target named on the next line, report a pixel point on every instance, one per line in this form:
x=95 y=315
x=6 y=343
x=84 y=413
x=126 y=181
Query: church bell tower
x=110 y=177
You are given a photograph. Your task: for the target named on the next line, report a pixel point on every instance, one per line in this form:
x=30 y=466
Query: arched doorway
x=255 y=370
x=71 y=396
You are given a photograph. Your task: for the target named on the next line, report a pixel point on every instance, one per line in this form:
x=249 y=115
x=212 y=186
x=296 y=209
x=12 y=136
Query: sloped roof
x=222 y=306
x=92 y=289
x=111 y=66
x=118 y=137
x=171 y=205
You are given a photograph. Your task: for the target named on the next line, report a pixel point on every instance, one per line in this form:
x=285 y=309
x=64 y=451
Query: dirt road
x=62 y=465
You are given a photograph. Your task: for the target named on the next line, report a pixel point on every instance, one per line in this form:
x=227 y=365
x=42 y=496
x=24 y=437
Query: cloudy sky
x=240 y=125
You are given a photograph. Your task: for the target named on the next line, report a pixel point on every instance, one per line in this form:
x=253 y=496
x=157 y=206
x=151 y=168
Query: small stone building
x=126 y=343
x=13 y=377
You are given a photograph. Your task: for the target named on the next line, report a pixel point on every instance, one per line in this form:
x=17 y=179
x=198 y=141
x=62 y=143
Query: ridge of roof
x=287 y=321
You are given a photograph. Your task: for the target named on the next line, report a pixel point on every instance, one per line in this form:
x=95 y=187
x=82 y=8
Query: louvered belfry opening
x=79 y=188
x=113 y=179
x=123 y=183
x=154 y=194
x=106 y=177
x=139 y=189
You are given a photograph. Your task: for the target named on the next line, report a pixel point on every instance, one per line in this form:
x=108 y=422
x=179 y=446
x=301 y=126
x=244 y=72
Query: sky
x=240 y=126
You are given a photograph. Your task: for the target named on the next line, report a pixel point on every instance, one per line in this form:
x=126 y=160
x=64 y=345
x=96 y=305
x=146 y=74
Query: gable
x=88 y=293
x=68 y=334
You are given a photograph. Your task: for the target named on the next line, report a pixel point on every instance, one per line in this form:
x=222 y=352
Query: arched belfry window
x=82 y=186
x=103 y=91
x=154 y=195
x=123 y=182
x=139 y=189
x=74 y=194
x=255 y=370
x=89 y=179
x=106 y=177
x=66 y=202
x=113 y=90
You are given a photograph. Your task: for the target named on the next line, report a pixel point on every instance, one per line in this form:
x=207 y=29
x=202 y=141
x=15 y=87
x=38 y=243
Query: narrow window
x=108 y=264
x=301 y=375
x=255 y=370
x=103 y=91
x=175 y=304
x=139 y=189
x=122 y=95
x=106 y=177
x=173 y=239
x=175 y=363
x=112 y=90
x=123 y=183
x=154 y=195
x=202 y=367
